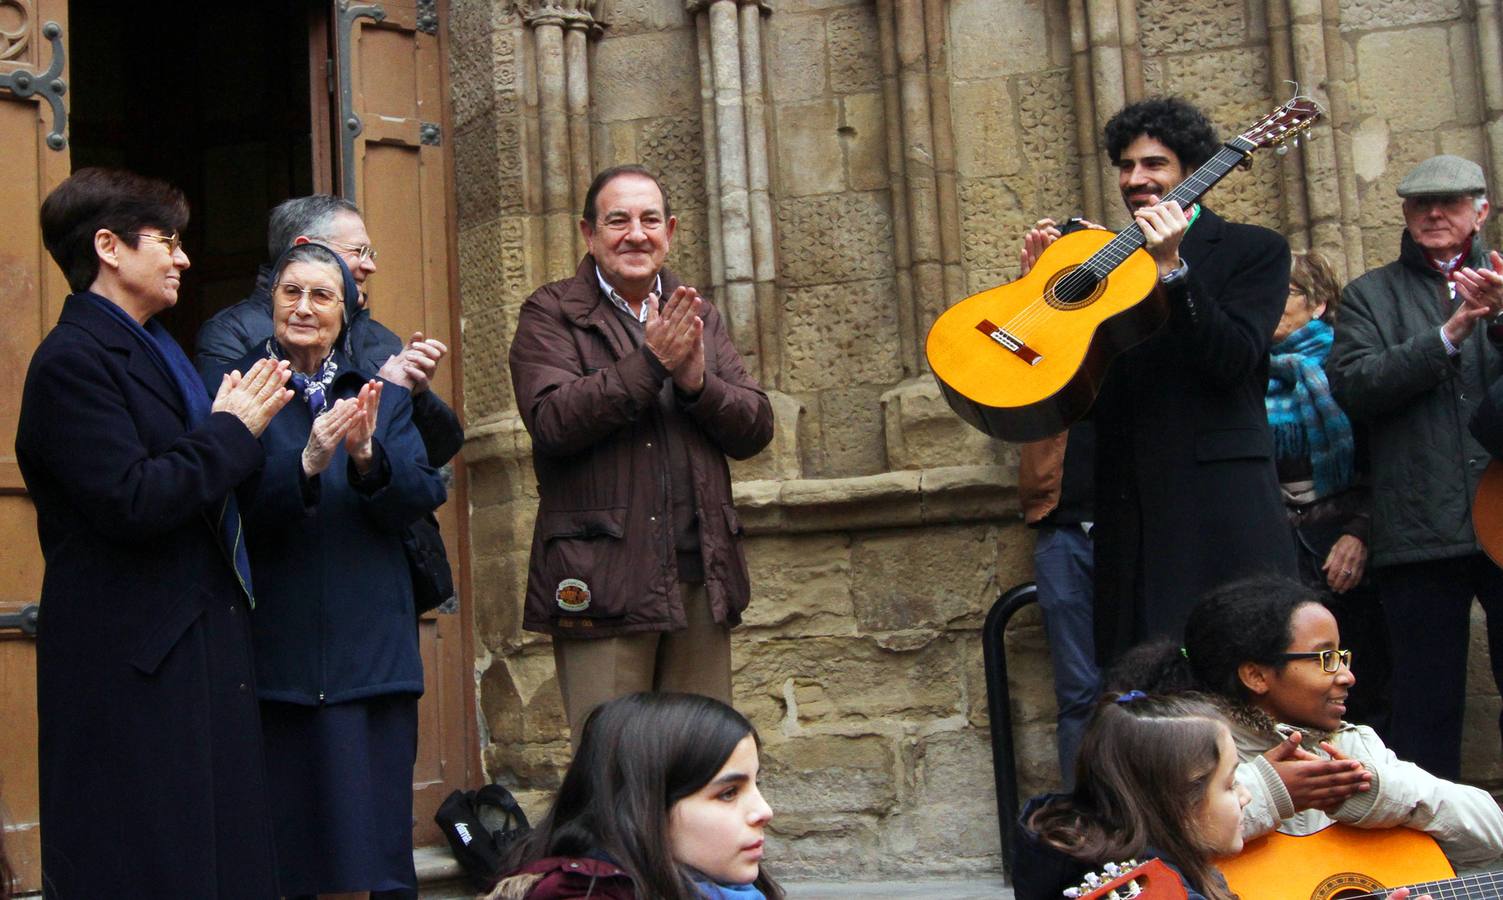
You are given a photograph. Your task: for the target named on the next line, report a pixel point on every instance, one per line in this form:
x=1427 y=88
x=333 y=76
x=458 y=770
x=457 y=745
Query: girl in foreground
x=660 y=802
x=1271 y=654
x=1155 y=778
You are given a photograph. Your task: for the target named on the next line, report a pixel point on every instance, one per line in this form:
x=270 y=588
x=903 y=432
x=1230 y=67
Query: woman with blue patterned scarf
x=1321 y=469
x=338 y=672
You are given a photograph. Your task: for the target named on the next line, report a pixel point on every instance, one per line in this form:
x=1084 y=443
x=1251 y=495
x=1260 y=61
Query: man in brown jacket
x=634 y=396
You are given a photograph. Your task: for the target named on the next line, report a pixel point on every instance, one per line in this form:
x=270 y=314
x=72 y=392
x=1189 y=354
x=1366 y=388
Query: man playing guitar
x=1186 y=492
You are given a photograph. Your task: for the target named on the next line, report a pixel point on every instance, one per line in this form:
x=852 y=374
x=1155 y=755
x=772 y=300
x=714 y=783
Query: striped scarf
x=1306 y=422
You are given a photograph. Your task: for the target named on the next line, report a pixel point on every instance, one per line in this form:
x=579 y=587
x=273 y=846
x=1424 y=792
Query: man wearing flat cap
x=1416 y=350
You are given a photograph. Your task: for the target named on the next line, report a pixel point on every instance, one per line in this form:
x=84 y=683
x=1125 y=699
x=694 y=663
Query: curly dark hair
x=1175 y=122
x=1244 y=621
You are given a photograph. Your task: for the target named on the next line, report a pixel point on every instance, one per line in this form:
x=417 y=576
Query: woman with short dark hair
x=152 y=780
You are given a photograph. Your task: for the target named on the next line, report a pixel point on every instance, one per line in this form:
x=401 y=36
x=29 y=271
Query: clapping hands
x=676 y=337
x=413 y=368
x=255 y=397
x=352 y=422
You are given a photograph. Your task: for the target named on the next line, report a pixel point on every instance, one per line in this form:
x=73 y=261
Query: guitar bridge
x=1010 y=341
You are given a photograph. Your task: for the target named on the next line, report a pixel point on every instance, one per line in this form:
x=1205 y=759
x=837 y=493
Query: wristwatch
x=1176 y=276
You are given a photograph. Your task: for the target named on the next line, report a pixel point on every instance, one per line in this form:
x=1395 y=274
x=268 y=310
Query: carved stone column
x=742 y=256
x=921 y=161
x=559 y=30
x=1489 y=32
x=1108 y=70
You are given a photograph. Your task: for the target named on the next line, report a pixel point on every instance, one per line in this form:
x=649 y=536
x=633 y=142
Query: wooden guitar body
x=1336 y=862
x=1064 y=346
x=1487 y=511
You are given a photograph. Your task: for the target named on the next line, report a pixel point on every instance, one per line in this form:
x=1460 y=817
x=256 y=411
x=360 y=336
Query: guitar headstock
x=1281 y=125
x=1119 y=881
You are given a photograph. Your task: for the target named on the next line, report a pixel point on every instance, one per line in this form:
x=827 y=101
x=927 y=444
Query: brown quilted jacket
x=603 y=560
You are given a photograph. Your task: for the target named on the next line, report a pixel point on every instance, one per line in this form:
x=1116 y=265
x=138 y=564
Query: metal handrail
x=999 y=710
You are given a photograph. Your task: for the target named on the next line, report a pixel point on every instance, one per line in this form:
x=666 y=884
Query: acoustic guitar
x=1024 y=360
x=1345 y=863
x=1487 y=511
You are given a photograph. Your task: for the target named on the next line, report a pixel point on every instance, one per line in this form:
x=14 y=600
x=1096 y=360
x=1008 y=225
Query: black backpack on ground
x=482 y=826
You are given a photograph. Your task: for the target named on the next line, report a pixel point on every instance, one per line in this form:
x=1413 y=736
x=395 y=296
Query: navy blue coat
x=152 y=776
x=334 y=618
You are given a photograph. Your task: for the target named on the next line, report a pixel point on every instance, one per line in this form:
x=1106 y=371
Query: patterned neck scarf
x=314 y=388
x=1306 y=421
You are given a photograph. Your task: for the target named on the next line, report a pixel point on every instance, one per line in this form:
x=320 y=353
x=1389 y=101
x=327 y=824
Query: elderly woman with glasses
x=338 y=670
x=1321 y=464
x=152 y=780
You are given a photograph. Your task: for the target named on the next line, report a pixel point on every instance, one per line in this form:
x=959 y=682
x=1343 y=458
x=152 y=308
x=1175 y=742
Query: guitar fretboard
x=1481 y=886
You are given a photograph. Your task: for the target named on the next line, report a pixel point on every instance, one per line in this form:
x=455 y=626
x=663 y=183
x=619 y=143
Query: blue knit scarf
x=1306 y=421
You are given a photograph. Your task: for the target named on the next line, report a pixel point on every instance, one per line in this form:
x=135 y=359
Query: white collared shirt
x=620 y=301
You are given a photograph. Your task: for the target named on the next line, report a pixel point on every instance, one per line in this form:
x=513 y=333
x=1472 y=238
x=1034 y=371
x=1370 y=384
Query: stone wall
x=843 y=170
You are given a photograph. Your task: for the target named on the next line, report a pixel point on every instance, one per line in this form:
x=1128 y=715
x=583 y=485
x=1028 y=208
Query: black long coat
x=152 y=773
x=1187 y=497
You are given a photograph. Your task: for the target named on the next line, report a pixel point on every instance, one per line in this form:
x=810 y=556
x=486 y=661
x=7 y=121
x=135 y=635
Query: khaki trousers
x=696 y=660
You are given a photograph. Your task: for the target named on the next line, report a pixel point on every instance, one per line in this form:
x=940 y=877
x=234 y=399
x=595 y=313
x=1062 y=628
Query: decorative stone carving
x=583 y=14
x=493 y=276
x=835 y=238
x=1207 y=79
x=689 y=255
x=854 y=63
x=1046 y=113
x=674 y=149
x=1168 y=26
x=840 y=334
x=1366 y=15
x=13 y=43
x=995 y=213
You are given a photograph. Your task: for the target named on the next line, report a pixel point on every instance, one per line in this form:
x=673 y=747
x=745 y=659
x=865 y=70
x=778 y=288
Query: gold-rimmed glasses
x=362 y=252
x=1331 y=661
x=290 y=295
x=173 y=240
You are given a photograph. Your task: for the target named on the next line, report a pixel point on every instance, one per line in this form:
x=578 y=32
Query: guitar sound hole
x=1345 y=885
x=1072 y=291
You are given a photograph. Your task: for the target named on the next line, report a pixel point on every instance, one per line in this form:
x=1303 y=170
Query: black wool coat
x=152 y=777
x=1187 y=497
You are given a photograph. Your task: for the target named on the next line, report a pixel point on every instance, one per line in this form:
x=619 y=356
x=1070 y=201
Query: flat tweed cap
x=1443 y=175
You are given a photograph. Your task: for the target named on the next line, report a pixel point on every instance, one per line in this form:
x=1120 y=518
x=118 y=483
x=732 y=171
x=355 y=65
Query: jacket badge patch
x=573 y=595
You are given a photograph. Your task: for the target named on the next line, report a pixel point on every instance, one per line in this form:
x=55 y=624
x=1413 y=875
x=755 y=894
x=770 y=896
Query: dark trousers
x=1062 y=565
x=1428 y=608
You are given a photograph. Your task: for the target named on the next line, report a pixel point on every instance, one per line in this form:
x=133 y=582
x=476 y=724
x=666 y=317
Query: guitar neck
x=1481 y=886
x=1231 y=154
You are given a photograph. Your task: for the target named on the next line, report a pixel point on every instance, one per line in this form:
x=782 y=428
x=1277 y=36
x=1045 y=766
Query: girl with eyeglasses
x=1271 y=653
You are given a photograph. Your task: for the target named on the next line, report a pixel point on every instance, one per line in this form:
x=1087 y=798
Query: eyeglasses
x=290 y=295
x=362 y=251
x=1331 y=661
x=620 y=222
x=173 y=240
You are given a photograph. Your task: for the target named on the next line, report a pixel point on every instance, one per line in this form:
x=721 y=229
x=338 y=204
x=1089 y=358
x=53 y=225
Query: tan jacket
x=1041 y=468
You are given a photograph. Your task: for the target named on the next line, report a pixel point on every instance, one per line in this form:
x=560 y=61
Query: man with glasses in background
x=1413 y=356
x=337 y=224
x=634 y=396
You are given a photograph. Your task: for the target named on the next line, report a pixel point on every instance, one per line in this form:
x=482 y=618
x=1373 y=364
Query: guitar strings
x=1100 y=264
x=1480 y=886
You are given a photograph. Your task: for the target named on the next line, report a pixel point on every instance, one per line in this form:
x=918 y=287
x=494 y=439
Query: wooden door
x=395 y=161
x=33 y=144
